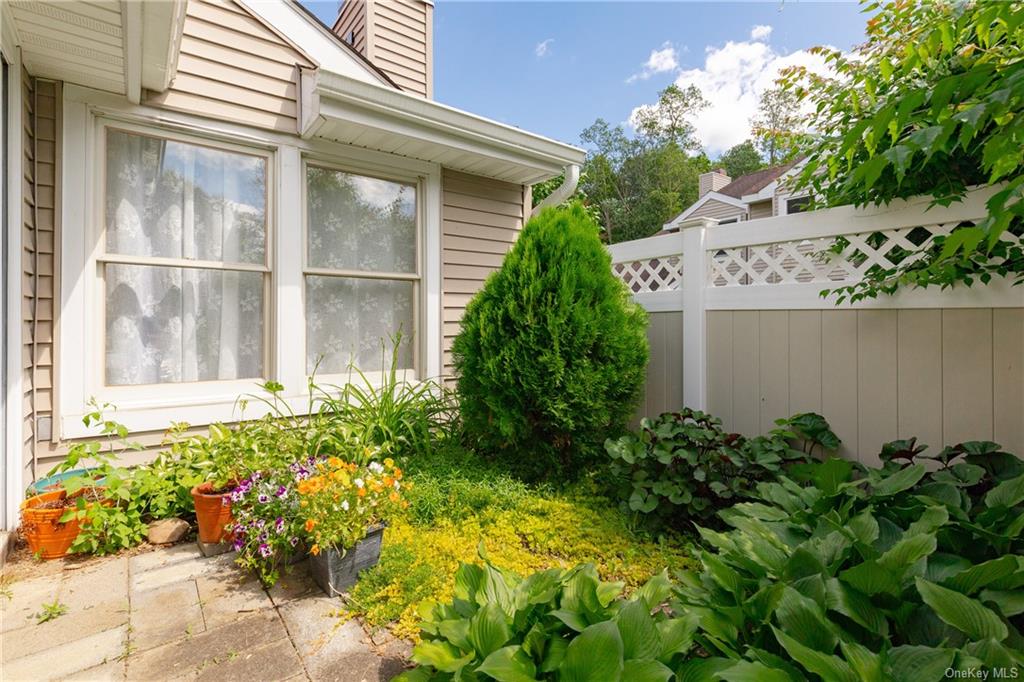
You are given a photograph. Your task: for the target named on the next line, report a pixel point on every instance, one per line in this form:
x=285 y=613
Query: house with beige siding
x=201 y=195
x=762 y=194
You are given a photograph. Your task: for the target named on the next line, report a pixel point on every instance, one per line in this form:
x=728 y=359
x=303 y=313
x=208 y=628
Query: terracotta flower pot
x=47 y=537
x=213 y=513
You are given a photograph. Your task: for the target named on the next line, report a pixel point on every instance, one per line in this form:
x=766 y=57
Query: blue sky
x=552 y=68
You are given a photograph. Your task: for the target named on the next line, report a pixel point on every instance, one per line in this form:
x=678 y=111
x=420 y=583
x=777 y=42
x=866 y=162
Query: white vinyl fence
x=738 y=328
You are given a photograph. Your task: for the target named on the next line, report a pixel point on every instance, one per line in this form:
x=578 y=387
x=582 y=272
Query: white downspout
x=562 y=192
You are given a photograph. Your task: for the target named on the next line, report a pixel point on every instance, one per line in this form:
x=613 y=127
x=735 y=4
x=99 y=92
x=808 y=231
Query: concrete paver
x=165 y=614
x=66 y=658
x=172 y=614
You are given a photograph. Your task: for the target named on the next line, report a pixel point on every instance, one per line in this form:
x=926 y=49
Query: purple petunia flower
x=265 y=550
x=279 y=525
x=263 y=498
x=293 y=541
x=239 y=543
x=263 y=536
x=282 y=491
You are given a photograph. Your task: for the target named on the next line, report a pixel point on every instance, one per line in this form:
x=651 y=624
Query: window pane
x=347 y=319
x=166 y=325
x=177 y=200
x=360 y=223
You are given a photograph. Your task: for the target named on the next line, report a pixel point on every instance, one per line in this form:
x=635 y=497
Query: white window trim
x=203 y=403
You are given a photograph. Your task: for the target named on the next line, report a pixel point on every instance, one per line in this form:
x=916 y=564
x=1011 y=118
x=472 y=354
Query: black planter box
x=337 y=570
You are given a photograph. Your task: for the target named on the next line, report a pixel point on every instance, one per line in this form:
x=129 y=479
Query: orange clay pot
x=213 y=512
x=47 y=537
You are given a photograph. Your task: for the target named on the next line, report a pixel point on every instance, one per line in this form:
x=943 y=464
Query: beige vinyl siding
x=352 y=20
x=663 y=389
x=945 y=376
x=719 y=210
x=761 y=209
x=40 y=118
x=234 y=67
x=400 y=43
x=481 y=219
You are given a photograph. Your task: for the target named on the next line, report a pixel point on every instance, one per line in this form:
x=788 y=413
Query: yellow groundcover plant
x=342 y=499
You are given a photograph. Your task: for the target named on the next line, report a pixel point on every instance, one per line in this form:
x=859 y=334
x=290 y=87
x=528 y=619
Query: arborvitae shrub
x=552 y=352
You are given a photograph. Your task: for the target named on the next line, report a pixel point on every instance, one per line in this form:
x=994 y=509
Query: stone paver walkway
x=172 y=614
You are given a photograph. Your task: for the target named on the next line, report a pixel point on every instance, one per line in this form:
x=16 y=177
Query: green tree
x=740 y=160
x=637 y=183
x=552 y=352
x=778 y=127
x=932 y=104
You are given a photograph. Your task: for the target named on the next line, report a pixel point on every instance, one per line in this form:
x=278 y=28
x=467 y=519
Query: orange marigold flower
x=393 y=496
x=334 y=462
x=310 y=523
x=388 y=481
x=314 y=550
x=398 y=474
x=361 y=492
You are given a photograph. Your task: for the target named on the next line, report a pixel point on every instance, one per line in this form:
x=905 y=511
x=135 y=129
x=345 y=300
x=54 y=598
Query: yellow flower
x=334 y=462
x=314 y=550
x=388 y=462
x=310 y=523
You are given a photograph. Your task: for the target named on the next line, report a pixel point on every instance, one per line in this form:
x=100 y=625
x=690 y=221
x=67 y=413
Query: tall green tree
x=932 y=104
x=778 y=127
x=637 y=183
x=741 y=159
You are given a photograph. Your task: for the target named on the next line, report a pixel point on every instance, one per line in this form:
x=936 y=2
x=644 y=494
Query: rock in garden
x=166 y=531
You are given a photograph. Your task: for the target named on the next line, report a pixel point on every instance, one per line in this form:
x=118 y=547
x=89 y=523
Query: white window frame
x=152 y=408
x=414 y=335
x=134 y=393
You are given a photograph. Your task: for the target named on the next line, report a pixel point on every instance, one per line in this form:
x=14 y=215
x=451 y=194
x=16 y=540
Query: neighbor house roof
x=752 y=183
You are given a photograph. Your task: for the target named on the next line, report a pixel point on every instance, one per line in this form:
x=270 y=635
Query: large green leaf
x=865 y=663
x=901 y=480
x=1007 y=494
x=509 y=664
x=594 y=656
x=907 y=552
x=804 y=620
x=745 y=671
x=468 y=581
x=871 y=578
x=676 y=635
x=843 y=599
x=1010 y=602
x=702 y=669
x=965 y=614
x=655 y=590
x=977 y=577
x=830 y=668
x=456 y=631
x=441 y=655
x=488 y=630
x=640 y=637
x=916 y=663
x=645 y=671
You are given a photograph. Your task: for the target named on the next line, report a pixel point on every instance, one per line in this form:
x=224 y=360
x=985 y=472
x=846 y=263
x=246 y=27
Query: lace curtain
x=171 y=200
x=359 y=225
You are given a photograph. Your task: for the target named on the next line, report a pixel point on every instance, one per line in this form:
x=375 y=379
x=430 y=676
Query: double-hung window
x=183 y=261
x=362 y=271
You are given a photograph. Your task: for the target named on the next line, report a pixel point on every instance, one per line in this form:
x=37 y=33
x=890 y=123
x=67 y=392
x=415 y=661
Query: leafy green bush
x=551 y=353
x=900 y=573
x=683 y=467
x=554 y=625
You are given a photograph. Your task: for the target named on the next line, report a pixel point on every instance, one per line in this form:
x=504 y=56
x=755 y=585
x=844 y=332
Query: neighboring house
x=199 y=195
x=756 y=195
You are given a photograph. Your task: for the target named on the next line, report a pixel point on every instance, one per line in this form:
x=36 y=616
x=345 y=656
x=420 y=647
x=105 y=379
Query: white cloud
x=543 y=48
x=663 y=60
x=732 y=79
x=760 y=32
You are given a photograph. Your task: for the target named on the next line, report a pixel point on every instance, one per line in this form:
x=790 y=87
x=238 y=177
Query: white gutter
x=562 y=192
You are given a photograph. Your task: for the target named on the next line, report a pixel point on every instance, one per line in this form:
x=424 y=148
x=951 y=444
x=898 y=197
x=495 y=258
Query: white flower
x=376 y=467
x=359 y=482
x=344 y=505
x=398 y=485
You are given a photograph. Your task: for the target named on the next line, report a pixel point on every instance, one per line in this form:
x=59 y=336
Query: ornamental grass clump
x=341 y=500
x=552 y=352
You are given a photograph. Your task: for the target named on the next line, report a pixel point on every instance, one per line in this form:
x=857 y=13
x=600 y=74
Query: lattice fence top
x=818 y=259
x=651 y=274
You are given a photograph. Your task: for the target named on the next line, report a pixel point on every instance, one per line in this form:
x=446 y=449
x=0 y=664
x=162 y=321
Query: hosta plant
x=682 y=467
x=902 y=572
x=553 y=625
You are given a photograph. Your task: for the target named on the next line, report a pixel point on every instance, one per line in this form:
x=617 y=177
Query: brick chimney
x=397 y=36
x=712 y=182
